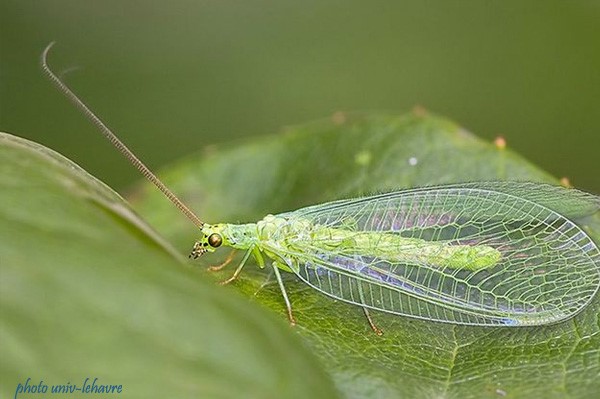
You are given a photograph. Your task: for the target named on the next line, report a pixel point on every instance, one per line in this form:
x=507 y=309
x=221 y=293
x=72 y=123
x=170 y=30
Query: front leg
x=239 y=268
x=227 y=261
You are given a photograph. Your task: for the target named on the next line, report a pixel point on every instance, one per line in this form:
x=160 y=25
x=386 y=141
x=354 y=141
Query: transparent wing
x=547 y=272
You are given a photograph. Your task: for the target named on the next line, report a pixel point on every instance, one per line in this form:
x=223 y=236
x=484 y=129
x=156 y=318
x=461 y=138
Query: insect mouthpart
x=198 y=249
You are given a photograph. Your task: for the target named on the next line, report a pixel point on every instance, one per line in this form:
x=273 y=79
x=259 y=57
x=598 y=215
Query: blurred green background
x=173 y=77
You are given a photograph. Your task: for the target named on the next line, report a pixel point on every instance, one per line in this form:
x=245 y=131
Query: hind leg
x=284 y=293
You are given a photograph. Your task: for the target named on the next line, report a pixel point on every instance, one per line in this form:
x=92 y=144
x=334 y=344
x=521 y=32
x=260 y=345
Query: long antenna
x=115 y=140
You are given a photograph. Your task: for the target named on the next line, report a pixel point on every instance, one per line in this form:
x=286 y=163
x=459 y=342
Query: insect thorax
x=270 y=230
x=244 y=236
x=239 y=236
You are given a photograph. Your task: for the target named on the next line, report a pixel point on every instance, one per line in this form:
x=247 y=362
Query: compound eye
x=215 y=240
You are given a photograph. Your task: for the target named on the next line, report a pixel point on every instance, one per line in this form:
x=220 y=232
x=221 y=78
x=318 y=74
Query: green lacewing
x=481 y=253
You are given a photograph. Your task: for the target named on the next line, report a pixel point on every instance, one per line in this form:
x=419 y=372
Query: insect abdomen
x=395 y=248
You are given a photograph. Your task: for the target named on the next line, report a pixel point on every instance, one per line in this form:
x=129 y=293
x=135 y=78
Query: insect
x=484 y=253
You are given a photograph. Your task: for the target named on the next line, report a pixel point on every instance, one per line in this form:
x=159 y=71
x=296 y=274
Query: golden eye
x=215 y=240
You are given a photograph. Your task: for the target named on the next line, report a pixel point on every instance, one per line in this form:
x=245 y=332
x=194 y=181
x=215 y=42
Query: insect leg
x=285 y=297
x=222 y=265
x=375 y=329
x=260 y=260
x=238 y=270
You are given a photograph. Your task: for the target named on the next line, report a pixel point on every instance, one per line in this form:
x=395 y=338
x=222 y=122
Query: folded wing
x=548 y=269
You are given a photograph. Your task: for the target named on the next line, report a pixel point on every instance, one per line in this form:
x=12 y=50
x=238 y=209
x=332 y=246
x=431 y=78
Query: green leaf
x=350 y=156
x=88 y=290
